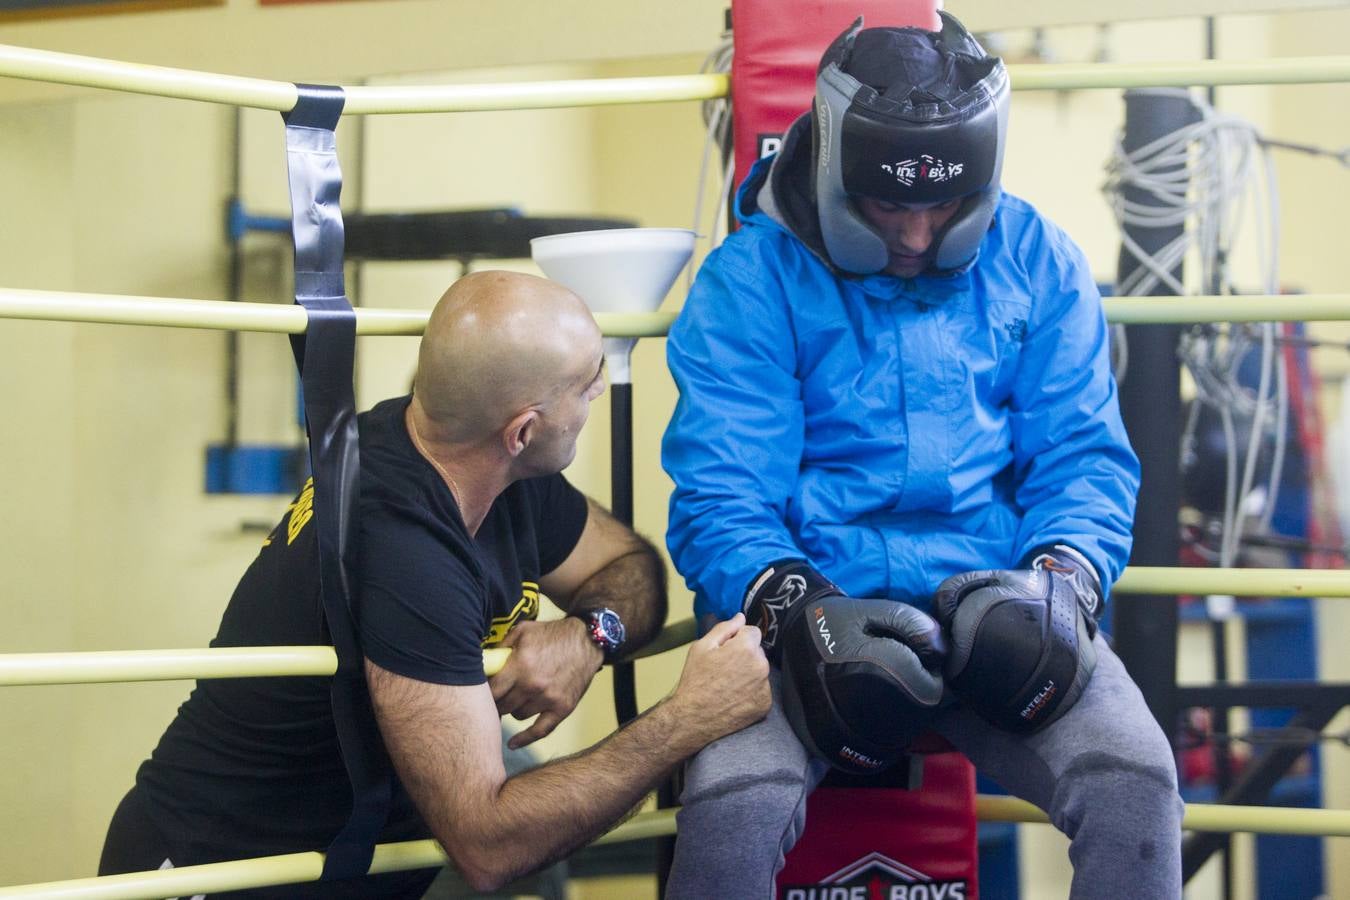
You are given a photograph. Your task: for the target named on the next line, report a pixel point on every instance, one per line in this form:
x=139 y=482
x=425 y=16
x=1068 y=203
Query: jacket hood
x=780 y=188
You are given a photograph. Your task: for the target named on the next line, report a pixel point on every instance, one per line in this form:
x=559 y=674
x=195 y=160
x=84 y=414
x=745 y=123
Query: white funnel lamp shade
x=619 y=270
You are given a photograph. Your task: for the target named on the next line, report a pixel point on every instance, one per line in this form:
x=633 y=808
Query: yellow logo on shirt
x=300 y=512
x=527 y=608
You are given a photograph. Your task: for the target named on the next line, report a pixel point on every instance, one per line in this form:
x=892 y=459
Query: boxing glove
x=861 y=677
x=1021 y=639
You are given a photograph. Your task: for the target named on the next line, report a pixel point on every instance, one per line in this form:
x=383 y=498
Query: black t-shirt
x=251 y=766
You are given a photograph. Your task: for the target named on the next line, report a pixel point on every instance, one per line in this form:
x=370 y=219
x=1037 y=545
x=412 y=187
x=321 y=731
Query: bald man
x=465 y=519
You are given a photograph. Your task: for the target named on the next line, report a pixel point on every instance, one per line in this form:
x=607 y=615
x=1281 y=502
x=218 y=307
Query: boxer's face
x=908 y=231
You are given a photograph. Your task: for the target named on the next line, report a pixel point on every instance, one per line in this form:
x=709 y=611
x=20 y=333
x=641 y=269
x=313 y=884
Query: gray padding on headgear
x=852 y=244
x=960 y=242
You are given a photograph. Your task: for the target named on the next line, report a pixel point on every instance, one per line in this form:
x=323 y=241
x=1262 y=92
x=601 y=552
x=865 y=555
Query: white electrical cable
x=1281 y=370
x=717 y=122
x=1281 y=441
x=1228 y=554
x=1215 y=180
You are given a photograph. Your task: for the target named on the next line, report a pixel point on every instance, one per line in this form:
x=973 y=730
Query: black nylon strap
x=324 y=356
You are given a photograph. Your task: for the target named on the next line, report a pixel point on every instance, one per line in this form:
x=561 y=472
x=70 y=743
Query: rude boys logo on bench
x=876 y=877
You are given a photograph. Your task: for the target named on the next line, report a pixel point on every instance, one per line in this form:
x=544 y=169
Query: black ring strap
x=324 y=356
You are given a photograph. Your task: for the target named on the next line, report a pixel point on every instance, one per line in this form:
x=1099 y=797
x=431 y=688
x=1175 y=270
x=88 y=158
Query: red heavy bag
x=778 y=45
x=882 y=843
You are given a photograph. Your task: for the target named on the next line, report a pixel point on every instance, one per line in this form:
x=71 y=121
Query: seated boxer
x=895 y=401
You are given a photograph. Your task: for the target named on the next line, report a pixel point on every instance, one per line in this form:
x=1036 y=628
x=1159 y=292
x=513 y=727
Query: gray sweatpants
x=1103 y=772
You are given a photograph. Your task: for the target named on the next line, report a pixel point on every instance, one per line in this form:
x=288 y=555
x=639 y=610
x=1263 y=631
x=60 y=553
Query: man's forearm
x=444 y=741
x=545 y=813
x=634 y=586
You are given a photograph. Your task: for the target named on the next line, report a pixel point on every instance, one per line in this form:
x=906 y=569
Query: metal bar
x=1145 y=627
x=1000 y=808
x=623 y=675
x=1203 y=817
x=235 y=289
x=291 y=868
x=301 y=867
x=1255 y=784
x=183 y=84
x=173 y=312
x=673 y=635
x=1226 y=308
x=1221 y=716
x=644 y=825
x=1325 y=583
x=276 y=318
x=280 y=96
x=164 y=665
x=534 y=95
x=1264 y=694
x=105 y=666
x=247 y=662
x=1200 y=73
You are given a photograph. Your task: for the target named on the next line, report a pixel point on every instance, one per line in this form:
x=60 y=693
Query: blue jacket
x=892 y=431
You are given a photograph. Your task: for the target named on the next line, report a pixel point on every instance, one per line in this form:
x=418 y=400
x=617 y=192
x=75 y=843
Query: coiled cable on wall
x=1215 y=180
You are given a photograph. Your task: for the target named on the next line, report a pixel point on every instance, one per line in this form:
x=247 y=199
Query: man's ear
x=519 y=432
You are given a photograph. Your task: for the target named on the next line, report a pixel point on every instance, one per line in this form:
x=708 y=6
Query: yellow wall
x=109 y=541
x=37 y=612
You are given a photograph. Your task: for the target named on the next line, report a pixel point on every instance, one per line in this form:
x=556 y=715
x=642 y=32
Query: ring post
x=1150 y=404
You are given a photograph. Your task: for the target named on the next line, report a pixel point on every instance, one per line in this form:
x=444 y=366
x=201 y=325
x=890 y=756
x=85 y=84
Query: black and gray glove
x=861 y=677
x=1022 y=638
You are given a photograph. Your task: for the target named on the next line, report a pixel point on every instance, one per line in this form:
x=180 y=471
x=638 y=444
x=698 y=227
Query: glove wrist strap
x=1065 y=559
x=777 y=595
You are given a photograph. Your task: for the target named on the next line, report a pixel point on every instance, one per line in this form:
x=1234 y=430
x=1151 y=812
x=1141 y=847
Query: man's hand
x=550 y=667
x=725 y=682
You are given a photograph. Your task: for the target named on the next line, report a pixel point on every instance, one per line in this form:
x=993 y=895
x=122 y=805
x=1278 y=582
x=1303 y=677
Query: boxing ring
x=151 y=665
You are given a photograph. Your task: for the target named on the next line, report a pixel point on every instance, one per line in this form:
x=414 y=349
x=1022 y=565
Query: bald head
x=498 y=343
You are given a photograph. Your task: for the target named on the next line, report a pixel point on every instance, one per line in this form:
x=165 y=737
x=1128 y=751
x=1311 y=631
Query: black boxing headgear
x=913 y=117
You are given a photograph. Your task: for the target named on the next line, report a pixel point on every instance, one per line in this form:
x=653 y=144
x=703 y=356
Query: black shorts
x=136 y=844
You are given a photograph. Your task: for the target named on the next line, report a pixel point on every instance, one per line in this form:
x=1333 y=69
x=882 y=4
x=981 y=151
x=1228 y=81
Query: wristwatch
x=606 y=629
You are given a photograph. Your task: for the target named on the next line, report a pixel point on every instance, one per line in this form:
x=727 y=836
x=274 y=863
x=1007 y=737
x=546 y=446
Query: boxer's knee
x=739 y=815
x=744 y=804
x=772 y=786
x=1113 y=792
x=762 y=761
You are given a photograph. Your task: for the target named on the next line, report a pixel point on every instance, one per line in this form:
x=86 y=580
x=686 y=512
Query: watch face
x=609 y=627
